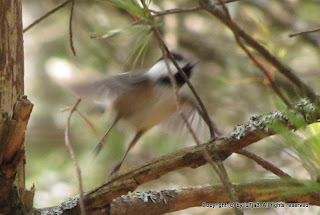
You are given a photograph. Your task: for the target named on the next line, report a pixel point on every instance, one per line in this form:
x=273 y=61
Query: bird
x=141 y=100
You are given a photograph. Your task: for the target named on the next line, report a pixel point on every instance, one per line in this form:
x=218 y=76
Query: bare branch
x=167 y=54
x=213 y=196
x=91 y=125
x=257 y=128
x=74 y=158
x=46 y=15
x=226 y=2
x=286 y=17
x=249 y=54
x=53 y=11
x=304 y=32
x=174 y=11
x=70 y=28
x=264 y=163
x=178 y=10
x=254 y=130
x=186 y=79
x=288 y=73
x=216 y=165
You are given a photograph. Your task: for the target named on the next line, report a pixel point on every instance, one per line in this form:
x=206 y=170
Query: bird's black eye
x=164 y=80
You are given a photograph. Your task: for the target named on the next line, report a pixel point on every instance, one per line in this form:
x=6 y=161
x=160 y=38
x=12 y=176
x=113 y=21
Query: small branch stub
x=15 y=138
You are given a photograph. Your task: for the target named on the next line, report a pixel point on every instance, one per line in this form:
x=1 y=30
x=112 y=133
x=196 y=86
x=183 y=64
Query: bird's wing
x=192 y=112
x=104 y=90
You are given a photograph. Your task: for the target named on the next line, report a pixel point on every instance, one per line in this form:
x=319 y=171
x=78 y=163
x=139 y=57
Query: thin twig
x=265 y=72
x=216 y=165
x=175 y=89
x=196 y=95
x=167 y=54
x=74 y=158
x=264 y=163
x=304 y=32
x=186 y=79
x=284 y=70
x=254 y=60
x=178 y=10
x=174 y=11
x=226 y=11
x=70 y=28
x=91 y=125
x=65 y=109
x=226 y=2
x=224 y=8
x=250 y=55
x=46 y=15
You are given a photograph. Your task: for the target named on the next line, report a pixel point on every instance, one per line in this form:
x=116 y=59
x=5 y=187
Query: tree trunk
x=15 y=109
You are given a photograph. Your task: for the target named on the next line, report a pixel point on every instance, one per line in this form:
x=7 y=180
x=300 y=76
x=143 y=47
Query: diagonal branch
x=250 y=55
x=288 y=19
x=304 y=32
x=46 y=15
x=70 y=29
x=264 y=163
x=254 y=130
x=216 y=165
x=257 y=128
x=73 y=156
x=284 y=70
x=186 y=79
x=188 y=10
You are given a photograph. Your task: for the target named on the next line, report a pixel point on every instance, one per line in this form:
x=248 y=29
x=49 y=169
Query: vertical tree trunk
x=15 y=108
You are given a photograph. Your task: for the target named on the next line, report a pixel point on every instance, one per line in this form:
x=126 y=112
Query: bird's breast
x=143 y=110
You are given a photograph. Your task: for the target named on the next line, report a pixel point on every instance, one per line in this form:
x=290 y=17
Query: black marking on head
x=187 y=69
x=176 y=56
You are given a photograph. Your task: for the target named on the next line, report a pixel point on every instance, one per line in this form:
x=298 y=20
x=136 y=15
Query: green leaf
x=127 y=29
x=140 y=47
x=131 y=6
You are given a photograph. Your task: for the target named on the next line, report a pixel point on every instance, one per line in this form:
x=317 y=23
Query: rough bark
x=263 y=194
x=15 y=108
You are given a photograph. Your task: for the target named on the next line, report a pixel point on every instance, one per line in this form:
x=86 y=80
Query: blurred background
x=232 y=88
